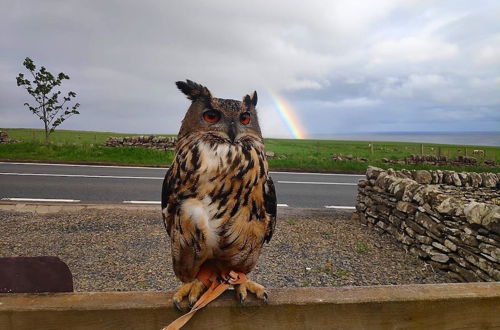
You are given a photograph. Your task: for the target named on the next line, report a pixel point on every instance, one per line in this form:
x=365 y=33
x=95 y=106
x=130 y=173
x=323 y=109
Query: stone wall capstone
x=150 y=141
x=451 y=220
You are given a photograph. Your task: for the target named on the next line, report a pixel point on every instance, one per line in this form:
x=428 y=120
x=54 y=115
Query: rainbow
x=287 y=114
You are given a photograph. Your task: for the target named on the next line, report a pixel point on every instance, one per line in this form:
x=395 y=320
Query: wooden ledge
x=443 y=306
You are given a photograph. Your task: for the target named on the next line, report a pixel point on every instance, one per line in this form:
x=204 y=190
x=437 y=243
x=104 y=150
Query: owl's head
x=227 y=119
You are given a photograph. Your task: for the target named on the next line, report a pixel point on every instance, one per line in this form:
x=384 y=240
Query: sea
x=460 y=138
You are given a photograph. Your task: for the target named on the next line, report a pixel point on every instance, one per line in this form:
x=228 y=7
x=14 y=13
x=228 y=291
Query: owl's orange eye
x=245 y=118
x=211 y=116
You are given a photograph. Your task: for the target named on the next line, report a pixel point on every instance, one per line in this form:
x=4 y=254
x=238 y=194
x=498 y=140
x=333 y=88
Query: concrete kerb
x=53 y=207
x=45 y=208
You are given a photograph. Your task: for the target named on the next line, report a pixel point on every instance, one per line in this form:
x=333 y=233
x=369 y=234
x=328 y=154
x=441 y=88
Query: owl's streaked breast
x=221 y=191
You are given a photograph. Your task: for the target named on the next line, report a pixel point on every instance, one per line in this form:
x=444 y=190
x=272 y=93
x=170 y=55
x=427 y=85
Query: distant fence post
x=421 y=148
x=465 y=151
x=371 y=148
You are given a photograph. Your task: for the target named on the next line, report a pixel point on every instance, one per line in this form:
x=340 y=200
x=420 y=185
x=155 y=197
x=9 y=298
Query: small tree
x=47 y=107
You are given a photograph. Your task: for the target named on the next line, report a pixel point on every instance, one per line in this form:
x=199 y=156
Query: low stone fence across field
x=4 y=138
x=441 y=160
x=449 y=219
x=150 y=141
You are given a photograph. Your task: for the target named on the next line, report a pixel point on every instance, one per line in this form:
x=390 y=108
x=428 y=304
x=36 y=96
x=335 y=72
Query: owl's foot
x=253 y=287
x=193 y=290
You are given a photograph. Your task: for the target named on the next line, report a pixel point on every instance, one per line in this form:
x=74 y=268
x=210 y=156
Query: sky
x=333 y=67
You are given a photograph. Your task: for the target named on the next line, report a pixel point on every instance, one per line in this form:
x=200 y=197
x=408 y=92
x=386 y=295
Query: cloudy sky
x=342 y=66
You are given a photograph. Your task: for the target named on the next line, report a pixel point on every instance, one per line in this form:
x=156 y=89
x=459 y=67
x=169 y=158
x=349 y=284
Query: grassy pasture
x=63 y=136
x=315 y=155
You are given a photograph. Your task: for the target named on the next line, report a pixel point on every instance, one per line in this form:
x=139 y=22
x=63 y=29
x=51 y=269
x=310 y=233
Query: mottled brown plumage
x=218 y=201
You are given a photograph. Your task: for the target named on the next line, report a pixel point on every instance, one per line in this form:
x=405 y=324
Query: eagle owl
x=218 y=200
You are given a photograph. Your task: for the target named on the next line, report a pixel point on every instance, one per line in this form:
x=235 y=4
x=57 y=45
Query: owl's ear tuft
x=193 y=90
x=250 y=101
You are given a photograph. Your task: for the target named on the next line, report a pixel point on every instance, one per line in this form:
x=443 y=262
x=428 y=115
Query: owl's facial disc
x=230 y=120
x=238 y=125
x=228 y=125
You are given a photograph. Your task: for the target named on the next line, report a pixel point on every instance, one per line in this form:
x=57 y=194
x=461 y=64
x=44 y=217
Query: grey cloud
x=339 y=63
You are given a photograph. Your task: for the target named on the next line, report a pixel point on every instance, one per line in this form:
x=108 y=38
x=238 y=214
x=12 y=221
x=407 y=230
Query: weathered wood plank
x=443 y=306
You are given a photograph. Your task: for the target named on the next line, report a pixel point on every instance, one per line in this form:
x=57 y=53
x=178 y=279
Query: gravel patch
x=128 y=250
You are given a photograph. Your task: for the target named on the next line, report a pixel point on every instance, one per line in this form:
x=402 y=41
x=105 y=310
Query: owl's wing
x=168 y=211
x=270 y=205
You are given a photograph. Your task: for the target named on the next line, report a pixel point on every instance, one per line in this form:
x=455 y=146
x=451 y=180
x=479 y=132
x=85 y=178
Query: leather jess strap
x=217 y=282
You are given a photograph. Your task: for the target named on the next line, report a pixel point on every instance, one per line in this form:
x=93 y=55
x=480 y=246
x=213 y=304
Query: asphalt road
x=113 y=184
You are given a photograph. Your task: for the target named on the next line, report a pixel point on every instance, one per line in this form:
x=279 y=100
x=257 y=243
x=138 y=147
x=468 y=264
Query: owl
x=218 y=200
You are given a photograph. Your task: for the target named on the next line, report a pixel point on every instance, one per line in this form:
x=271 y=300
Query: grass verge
x=85 y=153
x=310 y=155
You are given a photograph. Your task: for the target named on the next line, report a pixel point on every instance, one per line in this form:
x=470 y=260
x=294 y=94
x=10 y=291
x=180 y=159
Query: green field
x=63 y=136
x=311 y=155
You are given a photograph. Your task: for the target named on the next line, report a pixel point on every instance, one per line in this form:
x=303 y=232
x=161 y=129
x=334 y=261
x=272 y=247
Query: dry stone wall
x=449 y=219
x=4 y=138
x=150 y=141
x=441 y=160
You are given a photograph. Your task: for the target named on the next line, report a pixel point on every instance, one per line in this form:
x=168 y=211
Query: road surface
x=116 y=184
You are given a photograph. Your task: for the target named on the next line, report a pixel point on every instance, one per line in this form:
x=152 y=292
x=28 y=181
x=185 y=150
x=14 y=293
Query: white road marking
x=41 y=200
x=83 y=165
x=84 y=176
x=340 y=207
x=312 y=173
x=141 y=202
x=310 y=182
x=150 y=178
x=158 y=202
x=166 y=167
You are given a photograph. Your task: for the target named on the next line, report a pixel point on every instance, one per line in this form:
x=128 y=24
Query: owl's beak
x=232 y=131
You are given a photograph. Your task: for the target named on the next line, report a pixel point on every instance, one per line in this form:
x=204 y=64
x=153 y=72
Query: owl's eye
x=211 y=116
x=245 y=118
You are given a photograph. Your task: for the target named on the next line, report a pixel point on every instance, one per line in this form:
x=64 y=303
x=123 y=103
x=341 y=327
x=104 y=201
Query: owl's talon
x=242 y=299
x=253 y=287
x=178 y=306
x=193 y=290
